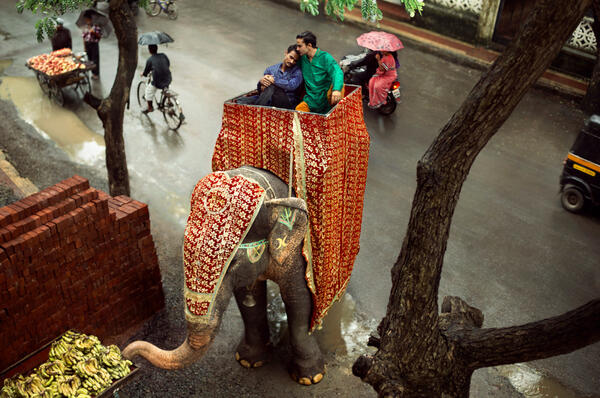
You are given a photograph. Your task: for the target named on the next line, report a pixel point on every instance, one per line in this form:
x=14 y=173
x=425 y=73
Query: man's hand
x=336 y=96
x=267 y=80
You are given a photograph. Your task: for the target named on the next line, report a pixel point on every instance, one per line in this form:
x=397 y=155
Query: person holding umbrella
x=385 y=45
x=159 y=65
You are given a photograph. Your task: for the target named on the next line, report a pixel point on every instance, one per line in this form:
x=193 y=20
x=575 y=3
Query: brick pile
x=72 y=257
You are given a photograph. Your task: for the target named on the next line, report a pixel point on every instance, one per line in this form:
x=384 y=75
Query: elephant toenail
x=305 y=381
x=317 y=378
x=237 y=356
x=245 y=363
x=258 y=364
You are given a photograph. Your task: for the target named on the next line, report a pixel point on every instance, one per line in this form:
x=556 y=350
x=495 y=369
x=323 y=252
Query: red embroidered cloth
x=330 y=163
x=222 y=212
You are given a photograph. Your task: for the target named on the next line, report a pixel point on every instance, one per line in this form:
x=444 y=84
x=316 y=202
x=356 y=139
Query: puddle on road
x=52 y=121
x=533 y=384
x=5 y=64
x=343 y=333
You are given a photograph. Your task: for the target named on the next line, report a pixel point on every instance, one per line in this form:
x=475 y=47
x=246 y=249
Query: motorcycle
x=356 y=75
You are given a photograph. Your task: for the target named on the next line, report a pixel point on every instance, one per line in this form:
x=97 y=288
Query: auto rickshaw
x=580 y=179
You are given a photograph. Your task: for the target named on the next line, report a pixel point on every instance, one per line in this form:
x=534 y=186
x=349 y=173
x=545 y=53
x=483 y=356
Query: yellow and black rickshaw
x=580 y=179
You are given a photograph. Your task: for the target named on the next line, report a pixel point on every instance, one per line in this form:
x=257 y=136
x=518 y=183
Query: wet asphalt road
x=513 y=251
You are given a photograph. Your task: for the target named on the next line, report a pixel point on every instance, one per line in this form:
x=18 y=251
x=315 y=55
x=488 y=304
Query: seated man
x=279 y=84
x=321 y=73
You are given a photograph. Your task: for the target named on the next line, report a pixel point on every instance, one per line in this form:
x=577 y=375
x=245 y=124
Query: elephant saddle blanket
x=329 y=155
x=223 y=209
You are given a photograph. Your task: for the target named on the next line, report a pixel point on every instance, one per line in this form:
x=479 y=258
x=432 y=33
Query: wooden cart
x=52 y=85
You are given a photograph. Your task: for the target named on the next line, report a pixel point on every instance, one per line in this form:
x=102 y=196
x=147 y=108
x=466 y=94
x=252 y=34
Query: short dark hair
x=308 y=38
x=153 y=48
x=292 y=48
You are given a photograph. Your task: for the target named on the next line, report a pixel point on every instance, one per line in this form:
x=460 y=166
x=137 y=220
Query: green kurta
x=319 y=74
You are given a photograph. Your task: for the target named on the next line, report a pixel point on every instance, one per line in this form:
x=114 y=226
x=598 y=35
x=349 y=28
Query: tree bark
x=591 y=102
x=111 y=110
x=415 y=358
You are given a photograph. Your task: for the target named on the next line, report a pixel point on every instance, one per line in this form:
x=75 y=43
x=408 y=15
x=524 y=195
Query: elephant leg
x=253 y=350
x=308 y=366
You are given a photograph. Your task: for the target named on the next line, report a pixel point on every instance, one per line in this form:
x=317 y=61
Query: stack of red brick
x=73 y=257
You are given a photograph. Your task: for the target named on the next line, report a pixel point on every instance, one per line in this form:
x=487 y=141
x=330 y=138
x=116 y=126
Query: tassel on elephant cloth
x=223 y=209
x=330 y=164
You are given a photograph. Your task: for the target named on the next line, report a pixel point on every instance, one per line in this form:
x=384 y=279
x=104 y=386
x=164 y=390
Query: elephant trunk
x=184 y=355
x=199 y=338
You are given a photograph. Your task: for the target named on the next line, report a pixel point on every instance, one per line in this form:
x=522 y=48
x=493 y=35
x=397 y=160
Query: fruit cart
x=61 y=69
x=61 y=349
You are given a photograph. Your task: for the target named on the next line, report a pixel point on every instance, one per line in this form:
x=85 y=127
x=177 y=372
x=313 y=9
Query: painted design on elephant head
x=287 y=218
x=281 y=242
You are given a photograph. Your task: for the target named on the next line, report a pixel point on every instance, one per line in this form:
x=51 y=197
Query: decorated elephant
x=243 y=229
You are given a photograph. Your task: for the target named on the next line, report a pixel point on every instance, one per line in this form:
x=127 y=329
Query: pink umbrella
x=379 y=41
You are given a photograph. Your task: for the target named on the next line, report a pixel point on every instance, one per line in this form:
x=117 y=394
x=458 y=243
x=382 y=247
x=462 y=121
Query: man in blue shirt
x=279 y=84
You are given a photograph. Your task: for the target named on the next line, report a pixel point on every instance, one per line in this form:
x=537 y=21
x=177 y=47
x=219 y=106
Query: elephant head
x=271 y=249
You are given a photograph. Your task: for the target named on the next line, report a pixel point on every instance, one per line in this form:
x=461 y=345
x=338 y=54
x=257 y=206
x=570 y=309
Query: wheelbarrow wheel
x=43 y=81
x=84 y=85
x=572 y=199
x=56 y=94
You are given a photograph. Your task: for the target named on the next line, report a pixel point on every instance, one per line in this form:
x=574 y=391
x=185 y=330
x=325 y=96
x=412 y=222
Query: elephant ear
x=287 y=234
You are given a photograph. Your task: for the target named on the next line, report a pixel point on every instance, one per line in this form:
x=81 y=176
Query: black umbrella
x=155 y=37
x=98 y=18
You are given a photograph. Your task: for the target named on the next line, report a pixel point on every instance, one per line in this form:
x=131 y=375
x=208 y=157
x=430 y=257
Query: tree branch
x=537 y=340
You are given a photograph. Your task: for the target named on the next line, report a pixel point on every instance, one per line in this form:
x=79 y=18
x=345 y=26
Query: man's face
x=301 y=47
x=290 y=59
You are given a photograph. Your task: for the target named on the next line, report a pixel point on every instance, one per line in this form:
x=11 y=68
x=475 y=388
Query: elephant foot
x=252 y=356
x=306 y=377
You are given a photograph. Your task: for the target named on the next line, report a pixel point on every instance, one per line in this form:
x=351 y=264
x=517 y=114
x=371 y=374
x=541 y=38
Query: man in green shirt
x=321 y=72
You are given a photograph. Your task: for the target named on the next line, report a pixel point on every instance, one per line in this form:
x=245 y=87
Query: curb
x=10 y=177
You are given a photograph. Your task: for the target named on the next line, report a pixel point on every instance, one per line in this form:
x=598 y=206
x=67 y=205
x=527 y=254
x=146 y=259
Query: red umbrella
x=379 y=41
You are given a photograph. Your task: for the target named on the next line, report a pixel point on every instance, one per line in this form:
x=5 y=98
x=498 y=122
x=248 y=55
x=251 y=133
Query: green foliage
x=369 y=9
x=50 y=9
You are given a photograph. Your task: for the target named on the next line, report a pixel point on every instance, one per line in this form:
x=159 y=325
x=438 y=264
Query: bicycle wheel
x=153 y=8
x=172 y=112
x=172 y=10
x=141 y=91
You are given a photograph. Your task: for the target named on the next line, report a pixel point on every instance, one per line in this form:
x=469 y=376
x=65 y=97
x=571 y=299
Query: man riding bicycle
x=158 y=64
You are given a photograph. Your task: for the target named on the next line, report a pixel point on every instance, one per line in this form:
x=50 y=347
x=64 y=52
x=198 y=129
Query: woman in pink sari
x=383 y=78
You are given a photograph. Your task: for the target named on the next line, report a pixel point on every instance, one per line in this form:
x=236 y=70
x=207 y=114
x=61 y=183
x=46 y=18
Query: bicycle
x=167 y=103
x=169 y=7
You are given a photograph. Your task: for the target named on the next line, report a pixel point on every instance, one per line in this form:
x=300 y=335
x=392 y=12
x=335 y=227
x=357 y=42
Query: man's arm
x=148 y=68
x=292 y=83
x=337 y=77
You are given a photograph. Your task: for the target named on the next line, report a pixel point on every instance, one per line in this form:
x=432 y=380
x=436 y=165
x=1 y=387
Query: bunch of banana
x=70 y=336
x=87 y=367
x=86 y=343
x=58 y=349
x=51 y=369
x=68 y=385
x=120 y=370
x=98 y=382
x=72 y=356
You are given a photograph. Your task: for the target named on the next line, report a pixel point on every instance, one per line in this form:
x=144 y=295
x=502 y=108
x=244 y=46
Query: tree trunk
x=591 y=102
x=415 y=357
x=111 y=109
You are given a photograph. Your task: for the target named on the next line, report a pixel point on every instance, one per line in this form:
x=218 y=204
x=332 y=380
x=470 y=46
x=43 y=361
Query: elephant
x=283 y=263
